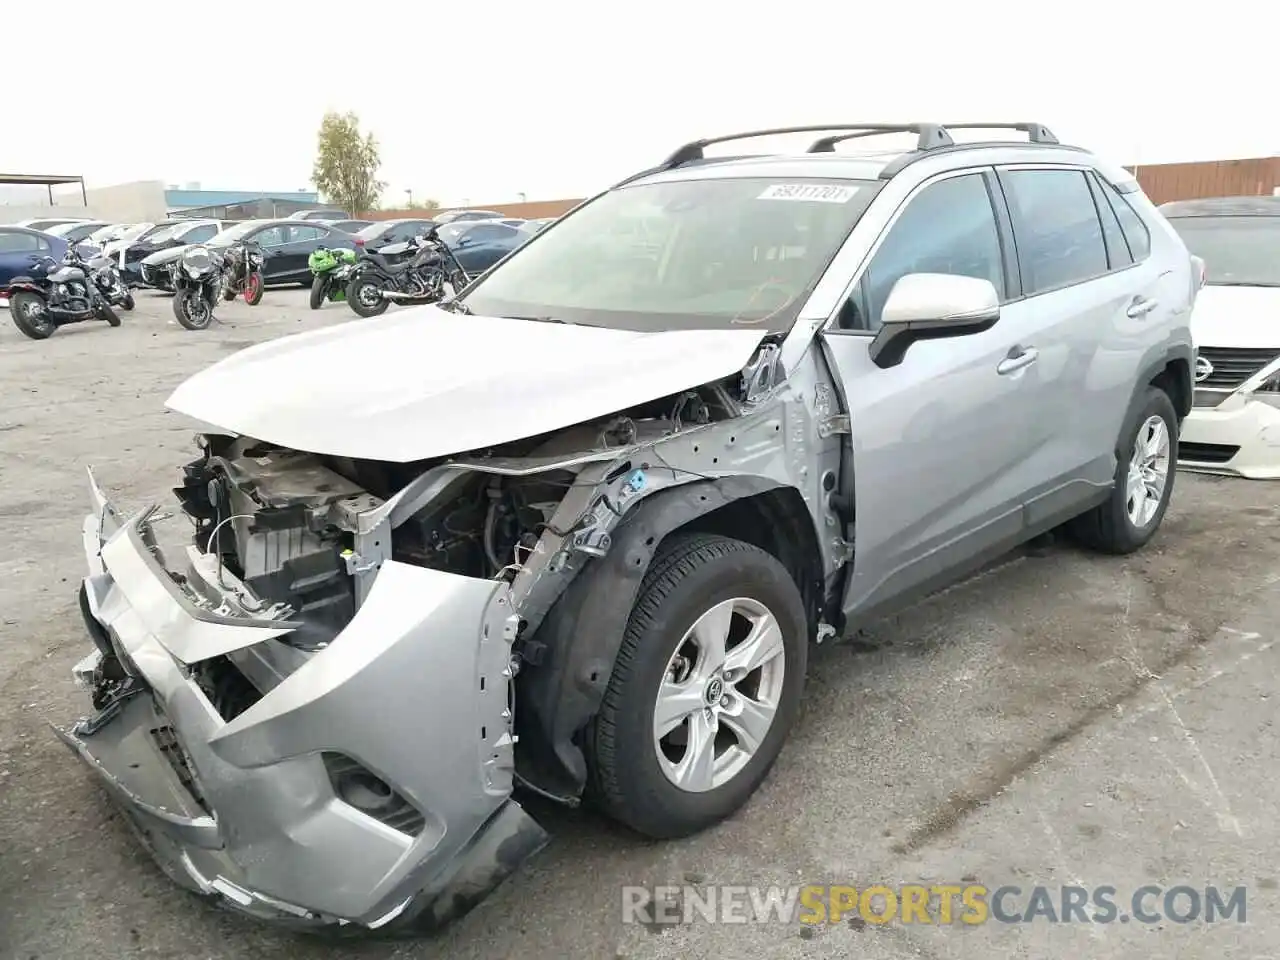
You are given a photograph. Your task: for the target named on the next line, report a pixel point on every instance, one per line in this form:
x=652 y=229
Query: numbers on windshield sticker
x=809 y=192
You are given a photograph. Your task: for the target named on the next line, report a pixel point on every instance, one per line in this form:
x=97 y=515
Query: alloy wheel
x=1148 y=471
x=719 y=695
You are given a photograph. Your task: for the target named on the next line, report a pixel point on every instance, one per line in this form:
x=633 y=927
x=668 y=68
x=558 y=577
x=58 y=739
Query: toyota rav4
x=572 y=531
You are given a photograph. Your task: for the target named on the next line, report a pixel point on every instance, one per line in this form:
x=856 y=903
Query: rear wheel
x=31 y=315
x=705 y=688
x=127 y=303
x=253 y=289
x=1145 y=459
x=365 y=296
x=317 y=292
x=192 y=310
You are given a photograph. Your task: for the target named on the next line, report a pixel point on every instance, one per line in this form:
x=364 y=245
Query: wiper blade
x=1239 y=283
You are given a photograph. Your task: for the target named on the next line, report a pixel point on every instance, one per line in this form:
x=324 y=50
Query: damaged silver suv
x=574 y=530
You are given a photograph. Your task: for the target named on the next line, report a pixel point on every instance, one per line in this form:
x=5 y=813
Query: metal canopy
x=44 y=180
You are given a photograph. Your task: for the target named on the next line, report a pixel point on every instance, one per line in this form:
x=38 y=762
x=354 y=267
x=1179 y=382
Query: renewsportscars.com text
x=940 y=904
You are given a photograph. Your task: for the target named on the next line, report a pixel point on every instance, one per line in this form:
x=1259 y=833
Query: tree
x=346 y=165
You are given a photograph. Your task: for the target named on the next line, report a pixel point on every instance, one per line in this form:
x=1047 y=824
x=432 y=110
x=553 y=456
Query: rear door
x=304 y=240
x=19 y=251
x=1079 y=282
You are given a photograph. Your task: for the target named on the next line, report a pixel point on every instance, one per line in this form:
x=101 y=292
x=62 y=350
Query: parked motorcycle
x=199 y=279
x=332 y=270
x=243 y=273
x=107 y=278
x=431 y=274
x=56 y=294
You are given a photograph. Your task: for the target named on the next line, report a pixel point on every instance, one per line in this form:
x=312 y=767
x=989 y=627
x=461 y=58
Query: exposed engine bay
x=285 y=523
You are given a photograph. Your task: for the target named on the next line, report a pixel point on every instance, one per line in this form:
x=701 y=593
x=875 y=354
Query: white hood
x=1237 y=317
x=423 y=382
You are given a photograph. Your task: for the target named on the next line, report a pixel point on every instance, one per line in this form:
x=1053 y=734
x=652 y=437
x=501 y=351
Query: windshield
x=238 y=232
x=161 y=234
x=685 y=254
x=1237 y=251
x=62 y=229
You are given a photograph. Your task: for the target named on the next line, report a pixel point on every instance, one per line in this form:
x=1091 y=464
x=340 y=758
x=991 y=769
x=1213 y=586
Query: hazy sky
x=561 y=97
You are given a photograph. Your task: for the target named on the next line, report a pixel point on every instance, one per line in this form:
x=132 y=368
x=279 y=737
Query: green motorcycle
x=332 y=269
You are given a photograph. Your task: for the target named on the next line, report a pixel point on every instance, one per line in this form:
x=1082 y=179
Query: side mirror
x=932 y=306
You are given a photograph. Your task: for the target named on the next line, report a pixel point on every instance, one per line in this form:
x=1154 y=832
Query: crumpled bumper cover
x=1241 y=435
x=415 y=689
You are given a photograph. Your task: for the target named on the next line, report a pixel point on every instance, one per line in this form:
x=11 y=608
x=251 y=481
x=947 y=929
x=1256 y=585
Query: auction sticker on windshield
x=811 y=192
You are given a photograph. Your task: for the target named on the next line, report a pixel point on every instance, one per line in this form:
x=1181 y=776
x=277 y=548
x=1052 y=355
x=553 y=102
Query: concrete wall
x=130 y=202
x=122 y=203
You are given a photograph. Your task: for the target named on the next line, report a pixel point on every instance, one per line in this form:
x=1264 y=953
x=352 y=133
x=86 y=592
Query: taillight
x=359 y=241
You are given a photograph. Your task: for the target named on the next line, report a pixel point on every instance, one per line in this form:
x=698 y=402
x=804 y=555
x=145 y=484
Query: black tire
x=228 y=294
x=106 y=313
x=1108 y=527
x=17 y=309
x=690 y=574
x=318 y=286
x=364 y=309
x=128 y=303
x=183 y=314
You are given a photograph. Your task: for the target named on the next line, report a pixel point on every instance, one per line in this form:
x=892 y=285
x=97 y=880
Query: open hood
x=423 y=382
x=1239 y=317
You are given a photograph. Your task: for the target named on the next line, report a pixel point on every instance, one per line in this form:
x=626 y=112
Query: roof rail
x=1036 y=132
x=929 y=136
x=927 y=132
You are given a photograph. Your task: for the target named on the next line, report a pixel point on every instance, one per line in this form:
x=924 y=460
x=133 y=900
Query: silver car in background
x=574 y=530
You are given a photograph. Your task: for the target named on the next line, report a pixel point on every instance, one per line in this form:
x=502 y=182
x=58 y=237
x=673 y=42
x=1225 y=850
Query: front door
x=938 y=442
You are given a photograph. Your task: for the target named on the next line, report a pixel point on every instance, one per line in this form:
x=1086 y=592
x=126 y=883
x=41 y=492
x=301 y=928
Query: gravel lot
x=1063 y=718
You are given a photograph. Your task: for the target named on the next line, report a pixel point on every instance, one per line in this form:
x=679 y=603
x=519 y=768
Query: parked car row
x=146 y=253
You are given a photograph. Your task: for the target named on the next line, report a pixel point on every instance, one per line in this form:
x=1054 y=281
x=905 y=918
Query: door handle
x=1018 y=359
x=1140 y=307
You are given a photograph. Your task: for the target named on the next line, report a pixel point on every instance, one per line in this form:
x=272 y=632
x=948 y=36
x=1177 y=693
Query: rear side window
x=1056 y=225
x=201 y=234
x=1135 y=231
x=18 y=242
x=1117 y=246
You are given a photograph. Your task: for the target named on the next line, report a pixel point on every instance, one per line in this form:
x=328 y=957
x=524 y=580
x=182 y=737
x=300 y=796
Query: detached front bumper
x=414 y=692
x=1238 y=437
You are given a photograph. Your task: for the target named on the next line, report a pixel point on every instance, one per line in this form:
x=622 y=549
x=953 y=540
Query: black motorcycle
x=243 y=272
x=431 y=274
x=198 y=278
x=106 y=277
x=56 y=294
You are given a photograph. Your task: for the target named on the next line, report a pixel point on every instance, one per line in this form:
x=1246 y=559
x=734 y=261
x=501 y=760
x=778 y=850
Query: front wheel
x=106 y=313
x=318 y=286
x=1145 y=468
x=192 y=310
x=253 y=289
x=705 y=688
x=31 y=315
x=365 y=296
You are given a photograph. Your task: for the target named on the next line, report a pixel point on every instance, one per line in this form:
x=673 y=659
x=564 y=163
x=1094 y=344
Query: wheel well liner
x=1173 y=375
x=582 y=633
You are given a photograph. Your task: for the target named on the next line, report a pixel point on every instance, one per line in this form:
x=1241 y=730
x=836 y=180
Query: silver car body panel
x=466 y=376
x=430 y=649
